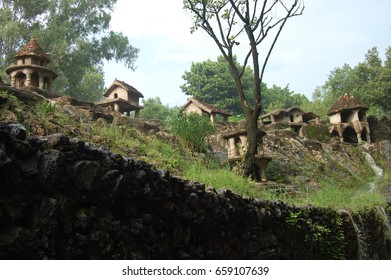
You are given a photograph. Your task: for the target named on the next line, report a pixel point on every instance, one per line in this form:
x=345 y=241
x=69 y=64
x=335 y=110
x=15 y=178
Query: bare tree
x=232 y=22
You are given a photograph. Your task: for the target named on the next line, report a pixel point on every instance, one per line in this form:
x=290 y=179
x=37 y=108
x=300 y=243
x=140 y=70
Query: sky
x=329 y=34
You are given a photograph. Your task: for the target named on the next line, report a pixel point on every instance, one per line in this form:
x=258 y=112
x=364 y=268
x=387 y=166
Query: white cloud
x=328 y=34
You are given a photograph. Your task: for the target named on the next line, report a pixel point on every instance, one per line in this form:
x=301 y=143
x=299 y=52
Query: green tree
x=368 y=80
x=211 y=82
x=276 y=98
x=75 y=33
x=248 y=22
x=384 y=95
x=154 y=109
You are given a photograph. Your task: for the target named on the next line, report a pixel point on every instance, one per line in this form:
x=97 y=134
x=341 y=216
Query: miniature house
x=215 y=114
x=348 y=120
x=31 y=68
x=122 y=98
x=293 y=116
x=237 y=146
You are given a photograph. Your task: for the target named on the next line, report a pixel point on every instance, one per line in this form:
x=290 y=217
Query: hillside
x=76 y=185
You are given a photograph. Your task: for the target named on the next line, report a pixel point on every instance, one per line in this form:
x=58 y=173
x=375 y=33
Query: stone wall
x=61 y=198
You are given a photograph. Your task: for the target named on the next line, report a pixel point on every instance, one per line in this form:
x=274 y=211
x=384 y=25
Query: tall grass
x=333 y=192
x=192 y=129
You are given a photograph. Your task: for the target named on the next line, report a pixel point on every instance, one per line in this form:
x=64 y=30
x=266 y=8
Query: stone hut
x=31 y=68
x=202 y=108
x=348 y=120
x=293 y=116
x=122 y=98
x=237 y=146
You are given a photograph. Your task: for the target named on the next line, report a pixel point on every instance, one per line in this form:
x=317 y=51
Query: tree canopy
x=211 y=82
x=154 y=109
x=76 y=35
x=233 y=22
x=370 y=81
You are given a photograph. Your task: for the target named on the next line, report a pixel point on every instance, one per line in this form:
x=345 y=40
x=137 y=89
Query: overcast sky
x=328 y=34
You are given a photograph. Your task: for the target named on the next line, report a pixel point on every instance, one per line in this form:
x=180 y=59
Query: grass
x=337 y=188
x=44 y=109
x=335 y=191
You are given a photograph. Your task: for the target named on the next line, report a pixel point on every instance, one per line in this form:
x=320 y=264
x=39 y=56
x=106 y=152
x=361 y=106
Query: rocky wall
x=61 y=198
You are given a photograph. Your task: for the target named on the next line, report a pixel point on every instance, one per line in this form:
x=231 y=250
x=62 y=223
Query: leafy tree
x=227 y=22
x=276 y=98
x=154 y=109
x=368 y=80
x=211 y=82
x=75 y=33
x=383 y=96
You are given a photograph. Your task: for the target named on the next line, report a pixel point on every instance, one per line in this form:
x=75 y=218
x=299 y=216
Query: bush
x=191 y=129
x=45 y=108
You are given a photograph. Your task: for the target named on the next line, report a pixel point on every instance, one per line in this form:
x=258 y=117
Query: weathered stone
x=4 y=159
x=51 y=168
x=85 y=174
x=91 y=204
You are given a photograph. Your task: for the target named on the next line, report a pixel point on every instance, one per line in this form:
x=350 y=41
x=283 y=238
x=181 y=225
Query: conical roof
x=346 y=102
x=32 y=48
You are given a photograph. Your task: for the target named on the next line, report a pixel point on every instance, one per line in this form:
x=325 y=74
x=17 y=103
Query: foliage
x=75 y=33
x=211 y=82
x=324 y=238
x=369 y=81
x=45 y=108
x=275 y=98
x=276 y=172
x=154 y=109
x=230 y=23
x=192 y=129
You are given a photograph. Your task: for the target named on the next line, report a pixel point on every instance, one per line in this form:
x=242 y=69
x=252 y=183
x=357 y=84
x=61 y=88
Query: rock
x=51 y=167
x=61 y=198
x=85 y=174
x=18 y=131
x=4 y=159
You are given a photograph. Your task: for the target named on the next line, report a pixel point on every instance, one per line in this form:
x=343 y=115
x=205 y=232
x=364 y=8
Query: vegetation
x=338 y=188
x=255 y=21
x=192 y=129
x=75 y=33
x=369 y=81
x=211 y=82
x=155 y=110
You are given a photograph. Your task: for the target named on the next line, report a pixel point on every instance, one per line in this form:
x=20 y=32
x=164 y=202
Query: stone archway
x=20 y=80
x=349 y=135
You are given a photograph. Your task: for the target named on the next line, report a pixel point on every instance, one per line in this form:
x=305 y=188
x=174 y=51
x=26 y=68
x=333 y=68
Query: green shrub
x=45 y=108
x=191 y=129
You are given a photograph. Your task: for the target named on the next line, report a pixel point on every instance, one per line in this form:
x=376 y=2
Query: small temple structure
x=30 y=70
x=237 y=146
x=215 y=114
x=123 y=98
x=295 y=117
x=348 y=120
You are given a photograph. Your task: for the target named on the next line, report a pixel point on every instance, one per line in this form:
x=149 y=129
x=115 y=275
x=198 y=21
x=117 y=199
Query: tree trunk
x=249 y=168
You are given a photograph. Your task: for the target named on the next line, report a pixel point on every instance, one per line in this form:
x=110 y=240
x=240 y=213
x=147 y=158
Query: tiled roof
x=206 y=107
x=346 y=102
x=124 y=85
x=32 y=48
